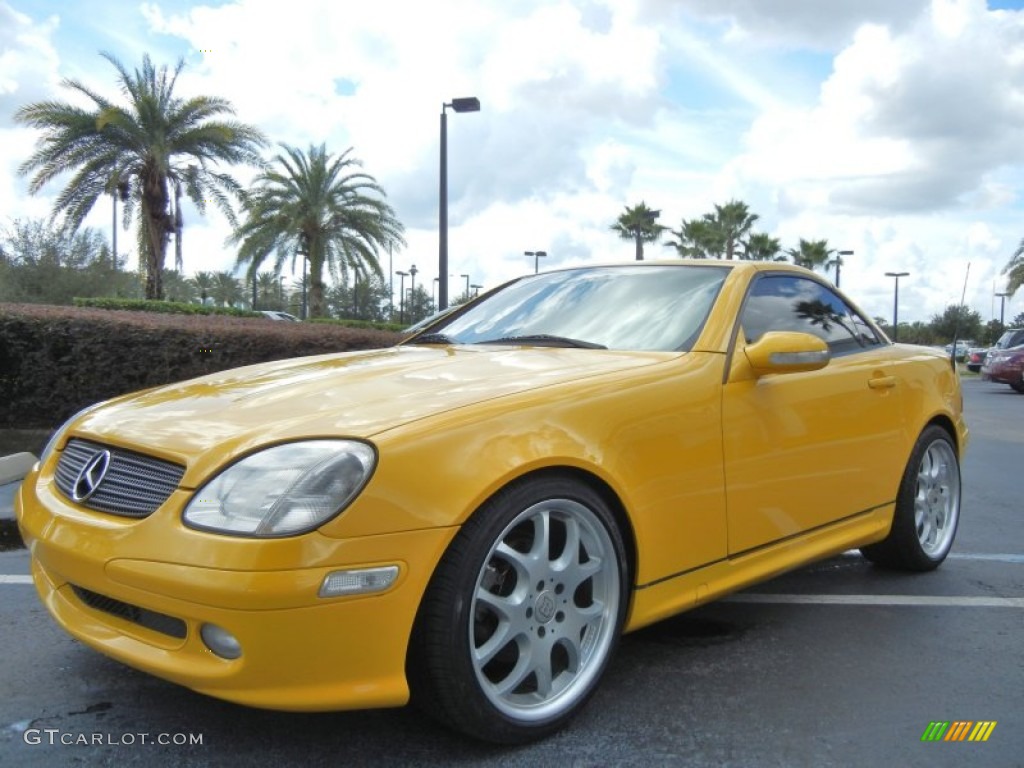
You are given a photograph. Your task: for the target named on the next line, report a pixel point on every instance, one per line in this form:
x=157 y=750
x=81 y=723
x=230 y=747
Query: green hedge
x=164 y=307
x=56 y=360
x=366 y=324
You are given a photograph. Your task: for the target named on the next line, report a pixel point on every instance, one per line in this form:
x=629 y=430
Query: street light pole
x=401 y=295
x=537 y=256
x=476 y=289
x=467 y=284
x=113 y=229
x=1002 y=307
x=121 y=189
x=896 y=304
x=839 y=263
x=303 y=251
x=466 y=104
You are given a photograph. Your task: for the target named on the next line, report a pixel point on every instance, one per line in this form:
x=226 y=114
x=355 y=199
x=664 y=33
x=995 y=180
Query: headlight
x=283 y=490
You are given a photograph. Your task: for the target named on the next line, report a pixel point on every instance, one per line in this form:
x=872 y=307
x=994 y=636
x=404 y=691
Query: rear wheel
x=927 y=507
x=1018 y=386
x=523 y=613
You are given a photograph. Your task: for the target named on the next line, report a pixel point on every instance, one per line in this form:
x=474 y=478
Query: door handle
x=882 y=382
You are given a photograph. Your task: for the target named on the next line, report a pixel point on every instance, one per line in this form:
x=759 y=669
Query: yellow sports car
x=474 y=516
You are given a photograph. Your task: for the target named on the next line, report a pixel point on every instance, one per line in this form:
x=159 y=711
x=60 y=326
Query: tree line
x=45 y=264
x=727 y=232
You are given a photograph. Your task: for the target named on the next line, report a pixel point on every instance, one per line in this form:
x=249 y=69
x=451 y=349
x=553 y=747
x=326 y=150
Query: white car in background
x=274 y=314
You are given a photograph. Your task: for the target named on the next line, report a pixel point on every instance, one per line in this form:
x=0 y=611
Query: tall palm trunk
x=159 y=225
x=316 y=287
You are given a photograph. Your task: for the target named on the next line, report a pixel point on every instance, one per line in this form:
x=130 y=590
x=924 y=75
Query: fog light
x=220 y=641
x=358 y=582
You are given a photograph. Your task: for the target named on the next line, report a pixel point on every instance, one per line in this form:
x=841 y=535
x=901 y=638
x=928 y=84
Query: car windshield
x=655 y=308
x=1010 y=339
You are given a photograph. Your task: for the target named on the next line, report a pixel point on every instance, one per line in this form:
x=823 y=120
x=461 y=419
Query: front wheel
x=927 y=507
x=523 y=613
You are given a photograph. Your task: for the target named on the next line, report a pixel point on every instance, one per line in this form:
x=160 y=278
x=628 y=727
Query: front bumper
x=111 y=584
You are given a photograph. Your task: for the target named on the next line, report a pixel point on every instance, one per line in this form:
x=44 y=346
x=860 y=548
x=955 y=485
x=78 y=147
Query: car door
x=803 y=450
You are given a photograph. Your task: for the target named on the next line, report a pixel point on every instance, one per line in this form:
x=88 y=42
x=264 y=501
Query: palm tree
x=761 y=246
x=227 y=290
x=268 y=290
x=153 y=149
x=203 y=282
x=810 y=253
x=1014 y=270
x=177 y=287
x=639 y=224
x=317 y=205
x=698 y=239
x=734 y=220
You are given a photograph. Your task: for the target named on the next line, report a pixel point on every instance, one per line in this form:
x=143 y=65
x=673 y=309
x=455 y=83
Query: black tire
x=927 y=507
x=1018 y=386
x=522 y=614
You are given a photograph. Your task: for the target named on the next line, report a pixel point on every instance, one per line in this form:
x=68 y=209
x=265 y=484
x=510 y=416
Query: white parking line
x=912 y=600
x=991 y=558
x=15 y=579
x=988 y=557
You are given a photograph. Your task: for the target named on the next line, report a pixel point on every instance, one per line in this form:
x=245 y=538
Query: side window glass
x=795 y=303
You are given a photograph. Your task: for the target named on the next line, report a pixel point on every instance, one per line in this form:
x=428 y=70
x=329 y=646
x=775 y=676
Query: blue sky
x=890 y=128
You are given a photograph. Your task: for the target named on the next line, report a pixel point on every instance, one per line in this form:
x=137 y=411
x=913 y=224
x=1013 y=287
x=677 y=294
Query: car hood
x=356 y=394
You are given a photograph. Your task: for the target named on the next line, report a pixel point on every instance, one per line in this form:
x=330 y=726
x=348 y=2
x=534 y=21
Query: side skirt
x=666 y=597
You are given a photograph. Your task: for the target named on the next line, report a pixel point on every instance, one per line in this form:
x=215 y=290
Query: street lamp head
x=845 y=253
x=465 y=104
x=413 y=270
x=542 y=253
x=403 y=274
x=896 y=274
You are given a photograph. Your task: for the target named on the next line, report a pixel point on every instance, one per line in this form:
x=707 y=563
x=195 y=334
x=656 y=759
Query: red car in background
x=976 y=358
x=1006 y=365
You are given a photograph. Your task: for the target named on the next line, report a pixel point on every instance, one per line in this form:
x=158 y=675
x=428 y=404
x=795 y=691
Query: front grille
x=158 y=622
x=133 y=486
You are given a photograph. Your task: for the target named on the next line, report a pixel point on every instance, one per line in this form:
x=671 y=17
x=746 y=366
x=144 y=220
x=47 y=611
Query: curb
x=13 y=469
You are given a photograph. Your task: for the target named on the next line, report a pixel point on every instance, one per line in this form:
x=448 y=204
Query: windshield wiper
x=432 y=338
x=545 y=340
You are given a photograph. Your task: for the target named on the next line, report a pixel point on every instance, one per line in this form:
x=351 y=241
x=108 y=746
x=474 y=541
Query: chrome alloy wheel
x=544 y=610
x=937 y=501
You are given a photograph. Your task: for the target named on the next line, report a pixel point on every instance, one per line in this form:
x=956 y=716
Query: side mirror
x=787 y=352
